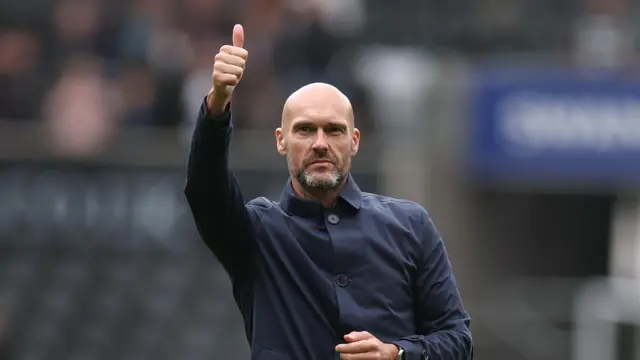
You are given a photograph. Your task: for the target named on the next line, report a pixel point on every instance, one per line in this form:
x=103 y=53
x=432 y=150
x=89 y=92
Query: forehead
x=318 y=112
x=318 y=117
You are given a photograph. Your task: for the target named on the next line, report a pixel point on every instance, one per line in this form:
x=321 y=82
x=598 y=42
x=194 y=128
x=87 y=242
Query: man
x=328 y=272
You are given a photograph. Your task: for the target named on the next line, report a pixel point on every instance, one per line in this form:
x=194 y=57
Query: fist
x=228 y=68
x=364 y=346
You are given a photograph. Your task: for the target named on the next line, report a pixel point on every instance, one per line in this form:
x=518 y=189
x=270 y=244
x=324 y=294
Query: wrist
x=395 y=351
x=216 y=106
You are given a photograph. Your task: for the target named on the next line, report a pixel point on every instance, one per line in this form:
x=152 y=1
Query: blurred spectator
x=143 y=22
x=81 y=108
x=604 y=35
x=154 y=49
x=497 y=26
x=306 y=49
x=77 y=26
x=22 y=83
x=137 y=91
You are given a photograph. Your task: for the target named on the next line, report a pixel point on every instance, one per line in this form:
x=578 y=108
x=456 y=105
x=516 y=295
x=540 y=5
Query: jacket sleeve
x=443 y=324
x=214 y=196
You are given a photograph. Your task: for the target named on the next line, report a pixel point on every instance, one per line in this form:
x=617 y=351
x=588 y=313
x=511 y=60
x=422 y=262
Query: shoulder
x=398 y=207
x=409 y=214
x=260 y=205
x=260 y=208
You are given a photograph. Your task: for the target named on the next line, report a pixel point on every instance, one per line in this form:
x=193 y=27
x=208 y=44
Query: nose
x=320 y=143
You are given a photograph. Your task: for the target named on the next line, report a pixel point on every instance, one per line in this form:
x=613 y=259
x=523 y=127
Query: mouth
x=325 y=162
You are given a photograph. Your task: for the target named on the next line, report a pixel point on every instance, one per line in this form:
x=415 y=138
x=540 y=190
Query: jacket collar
x=351 y=196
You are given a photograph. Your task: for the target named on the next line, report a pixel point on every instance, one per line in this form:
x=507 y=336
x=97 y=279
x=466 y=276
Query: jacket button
x=333 y=219
x=342 y=280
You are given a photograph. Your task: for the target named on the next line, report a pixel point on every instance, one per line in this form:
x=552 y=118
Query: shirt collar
x=292 y=203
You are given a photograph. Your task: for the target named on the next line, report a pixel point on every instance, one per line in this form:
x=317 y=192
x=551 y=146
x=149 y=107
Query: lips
x=321 y=162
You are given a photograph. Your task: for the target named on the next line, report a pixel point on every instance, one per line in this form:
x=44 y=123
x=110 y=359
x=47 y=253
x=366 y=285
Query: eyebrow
x=303 y=123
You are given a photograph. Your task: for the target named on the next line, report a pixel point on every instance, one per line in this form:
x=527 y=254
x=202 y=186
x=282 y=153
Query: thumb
x=238 y=35
x=357 y=336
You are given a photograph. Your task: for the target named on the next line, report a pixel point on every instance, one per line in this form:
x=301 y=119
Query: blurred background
x=516 y=123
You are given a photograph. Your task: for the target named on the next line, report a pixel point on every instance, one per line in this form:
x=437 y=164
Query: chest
x=379 y=250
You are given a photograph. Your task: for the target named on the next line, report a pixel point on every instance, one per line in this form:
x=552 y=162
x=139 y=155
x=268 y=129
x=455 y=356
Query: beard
x=319 y=180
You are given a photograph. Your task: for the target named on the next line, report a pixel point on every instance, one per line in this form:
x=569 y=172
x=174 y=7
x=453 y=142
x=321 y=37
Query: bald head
x=317 y=100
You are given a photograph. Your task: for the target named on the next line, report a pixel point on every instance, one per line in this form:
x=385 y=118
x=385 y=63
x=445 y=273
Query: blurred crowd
x=89 y=67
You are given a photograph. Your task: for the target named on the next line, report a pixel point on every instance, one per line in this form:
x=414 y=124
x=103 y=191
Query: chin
x=321 y=177
x=322 y=180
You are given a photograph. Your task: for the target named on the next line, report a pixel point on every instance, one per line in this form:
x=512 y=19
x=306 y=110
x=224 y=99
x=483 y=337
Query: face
x=318 y=146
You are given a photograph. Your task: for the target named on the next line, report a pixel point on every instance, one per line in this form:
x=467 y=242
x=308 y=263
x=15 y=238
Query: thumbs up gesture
x=228 y=68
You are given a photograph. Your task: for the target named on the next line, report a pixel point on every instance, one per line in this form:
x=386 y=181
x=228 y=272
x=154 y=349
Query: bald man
x=329 y=271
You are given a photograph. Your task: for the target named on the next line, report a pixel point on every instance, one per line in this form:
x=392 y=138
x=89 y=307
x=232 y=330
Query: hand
x=228 y=68
x=364 y=346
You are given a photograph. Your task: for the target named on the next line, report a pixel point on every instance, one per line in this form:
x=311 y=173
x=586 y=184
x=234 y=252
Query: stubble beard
x=315 y=181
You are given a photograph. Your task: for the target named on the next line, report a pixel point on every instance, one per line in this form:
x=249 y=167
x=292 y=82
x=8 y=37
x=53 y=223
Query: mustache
x=320 y=158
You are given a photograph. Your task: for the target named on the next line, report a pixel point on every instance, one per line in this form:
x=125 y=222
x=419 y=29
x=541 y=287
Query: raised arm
x=213 y=194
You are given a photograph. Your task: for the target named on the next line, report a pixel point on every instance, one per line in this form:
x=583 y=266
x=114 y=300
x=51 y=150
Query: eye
x=335 y=130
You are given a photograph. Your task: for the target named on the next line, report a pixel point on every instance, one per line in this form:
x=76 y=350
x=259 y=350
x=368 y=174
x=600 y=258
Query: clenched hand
x=364 y=346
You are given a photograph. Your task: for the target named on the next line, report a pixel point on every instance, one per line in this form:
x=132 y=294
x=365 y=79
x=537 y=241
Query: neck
x=326 y=197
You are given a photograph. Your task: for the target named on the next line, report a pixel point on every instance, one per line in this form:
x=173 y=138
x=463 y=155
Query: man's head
x=318 y=137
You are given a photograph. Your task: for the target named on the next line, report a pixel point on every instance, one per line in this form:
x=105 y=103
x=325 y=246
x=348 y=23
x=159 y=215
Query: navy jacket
x=304 y=276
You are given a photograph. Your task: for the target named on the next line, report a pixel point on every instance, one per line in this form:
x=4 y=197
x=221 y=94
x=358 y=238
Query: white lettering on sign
x=581 y=123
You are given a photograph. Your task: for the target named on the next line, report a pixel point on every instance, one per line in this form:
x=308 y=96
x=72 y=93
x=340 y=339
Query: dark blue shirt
x=304 y=276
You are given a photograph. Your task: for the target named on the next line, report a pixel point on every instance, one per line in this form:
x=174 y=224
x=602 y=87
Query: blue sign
x=538 y=125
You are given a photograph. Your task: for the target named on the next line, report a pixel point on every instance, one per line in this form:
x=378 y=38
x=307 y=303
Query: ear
x=280 y=142
x=355 y=141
